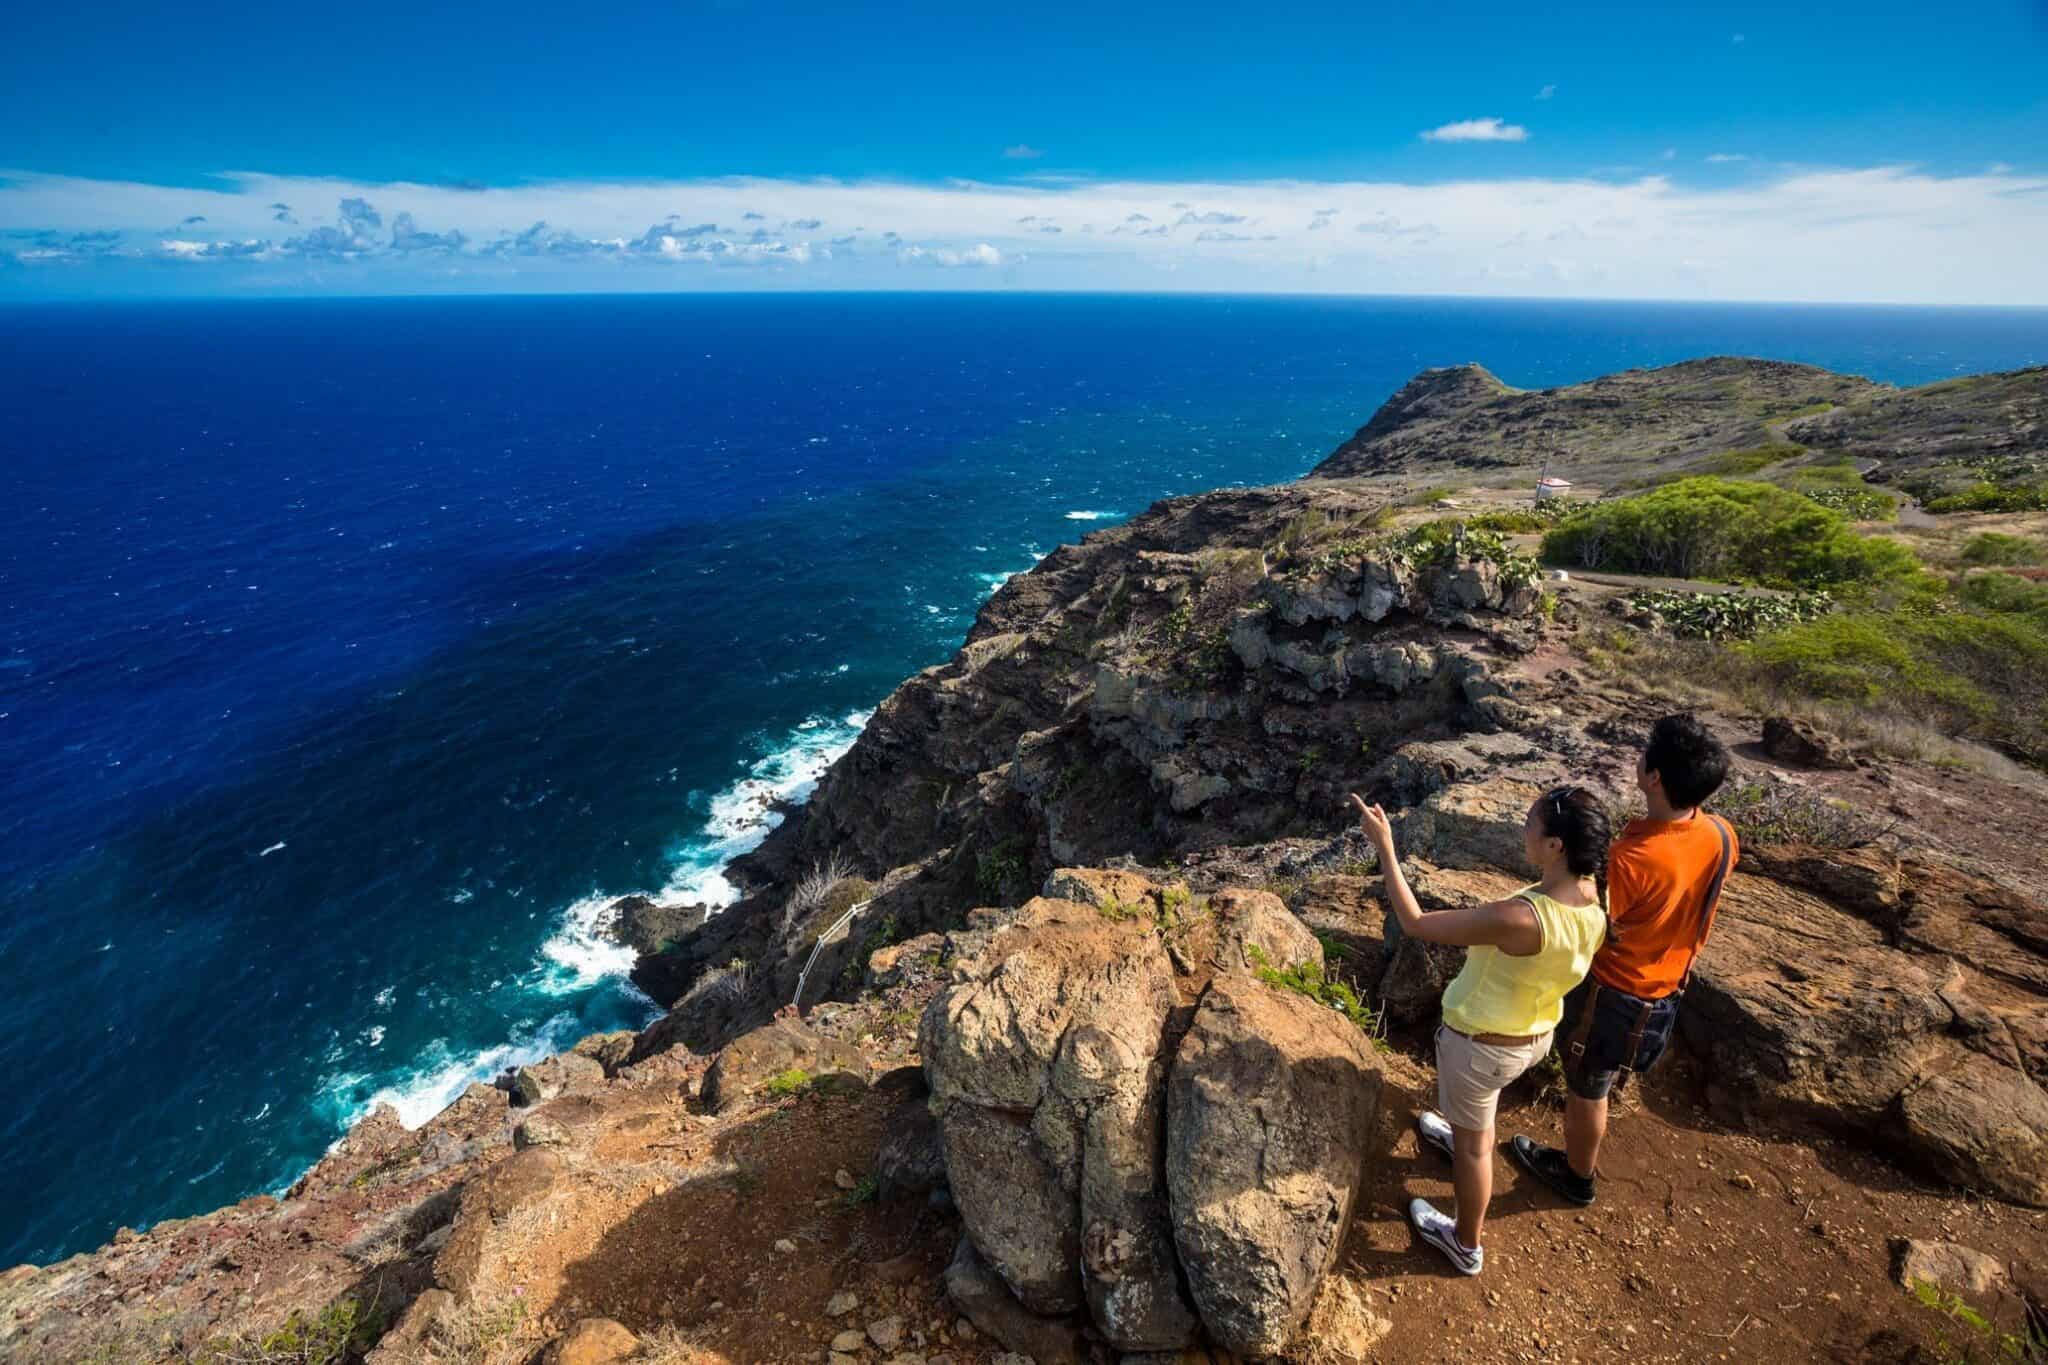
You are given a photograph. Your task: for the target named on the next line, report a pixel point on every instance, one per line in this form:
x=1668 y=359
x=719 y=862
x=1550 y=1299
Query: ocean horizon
x=357 y=653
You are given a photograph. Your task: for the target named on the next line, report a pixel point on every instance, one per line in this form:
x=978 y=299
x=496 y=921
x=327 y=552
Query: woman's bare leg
x=1472 y=1178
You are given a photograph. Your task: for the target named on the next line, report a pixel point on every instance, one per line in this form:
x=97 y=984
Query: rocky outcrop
x=1095 y=1166
x=1044 y=1069
x=1883 y=1007
x=1269 y=1120
x=1803 y=744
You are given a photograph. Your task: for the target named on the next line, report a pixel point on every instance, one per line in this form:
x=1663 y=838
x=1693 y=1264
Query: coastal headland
x=1065 y=1020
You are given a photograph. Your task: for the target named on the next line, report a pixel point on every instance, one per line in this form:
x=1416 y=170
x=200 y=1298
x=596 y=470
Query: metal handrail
x=819 y=947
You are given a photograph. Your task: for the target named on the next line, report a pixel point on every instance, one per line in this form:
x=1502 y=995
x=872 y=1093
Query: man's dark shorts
x=1592 y=1074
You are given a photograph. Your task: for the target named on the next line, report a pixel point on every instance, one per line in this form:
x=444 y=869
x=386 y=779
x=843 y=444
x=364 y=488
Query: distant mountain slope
x=1970 y=421
x=1464 y=417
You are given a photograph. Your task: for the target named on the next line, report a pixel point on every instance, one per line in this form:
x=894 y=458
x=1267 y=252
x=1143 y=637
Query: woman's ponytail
x=1577 y=818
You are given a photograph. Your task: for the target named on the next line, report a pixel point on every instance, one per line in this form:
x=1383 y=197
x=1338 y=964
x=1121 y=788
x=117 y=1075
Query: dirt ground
x=1705 y=1245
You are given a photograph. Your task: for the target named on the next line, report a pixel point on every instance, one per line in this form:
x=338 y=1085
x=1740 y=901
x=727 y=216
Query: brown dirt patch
x=1706 y=1244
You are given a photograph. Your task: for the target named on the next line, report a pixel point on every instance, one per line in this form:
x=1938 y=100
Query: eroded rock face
x=1043 y=1062
x=1270 y=1110
x=1807 y=1014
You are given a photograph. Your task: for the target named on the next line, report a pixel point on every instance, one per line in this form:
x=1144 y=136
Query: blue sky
x=1872 y=152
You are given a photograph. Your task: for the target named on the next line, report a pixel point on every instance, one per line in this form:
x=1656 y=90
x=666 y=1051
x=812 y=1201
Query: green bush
x=1993 y=497
x=1974 y=671
x=1733 y=463
x=2005 y=593
x=1728 y=530
x=1522 y=521
x=1729 y=615
x=1308 y=979
x=794 y=1081
x=1779 y=813
x=1451 y=540
x=1995 y=547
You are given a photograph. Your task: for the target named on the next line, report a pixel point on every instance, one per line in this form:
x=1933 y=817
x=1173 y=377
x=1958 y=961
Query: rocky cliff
x=1042 y=1096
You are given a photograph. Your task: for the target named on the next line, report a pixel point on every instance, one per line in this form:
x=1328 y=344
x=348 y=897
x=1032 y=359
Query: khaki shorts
x=1470 y=1075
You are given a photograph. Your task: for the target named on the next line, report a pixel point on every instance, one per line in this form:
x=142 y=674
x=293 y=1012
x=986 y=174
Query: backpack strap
x=1713 y=897
x=1575 y=1046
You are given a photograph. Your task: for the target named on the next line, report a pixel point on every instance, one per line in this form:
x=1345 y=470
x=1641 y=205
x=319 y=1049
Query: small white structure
x=1549 y=487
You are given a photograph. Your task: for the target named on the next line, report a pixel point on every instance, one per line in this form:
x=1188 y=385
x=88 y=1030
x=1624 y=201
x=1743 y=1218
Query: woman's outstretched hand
x=1373 y=821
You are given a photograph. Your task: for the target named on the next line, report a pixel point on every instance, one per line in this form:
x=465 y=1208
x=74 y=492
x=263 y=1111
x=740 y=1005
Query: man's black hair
x=1692 y=763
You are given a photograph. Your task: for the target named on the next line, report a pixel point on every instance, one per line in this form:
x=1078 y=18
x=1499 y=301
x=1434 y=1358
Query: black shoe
x=1548 y=1165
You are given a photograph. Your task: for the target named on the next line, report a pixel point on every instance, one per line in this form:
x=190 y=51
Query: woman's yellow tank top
x=1497 y=992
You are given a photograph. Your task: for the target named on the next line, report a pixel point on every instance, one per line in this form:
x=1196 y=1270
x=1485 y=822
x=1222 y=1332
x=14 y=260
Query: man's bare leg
x=1585 y=1127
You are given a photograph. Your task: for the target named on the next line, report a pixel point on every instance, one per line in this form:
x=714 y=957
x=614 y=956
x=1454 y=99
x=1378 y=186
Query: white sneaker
x=1435 y=1228
x=1434 y=1132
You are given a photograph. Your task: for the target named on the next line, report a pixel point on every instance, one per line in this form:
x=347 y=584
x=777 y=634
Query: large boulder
x=984 y=1300
x=1044 y=1067
x=785 y=1048
x=1240 y=931
x=1469 y=824
x=1807 y=1015
x=1270 y=1111
x=565 y=1073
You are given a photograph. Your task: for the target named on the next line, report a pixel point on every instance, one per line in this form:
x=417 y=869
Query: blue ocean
x=353 y=654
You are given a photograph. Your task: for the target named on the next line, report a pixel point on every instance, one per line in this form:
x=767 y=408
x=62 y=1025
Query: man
x=1664 y=881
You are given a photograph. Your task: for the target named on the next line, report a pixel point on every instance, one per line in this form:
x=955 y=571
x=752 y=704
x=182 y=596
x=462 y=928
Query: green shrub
x=1979 y=1333
x=1974 y=671
x=883 y=933
x=1995 y=547
x=1734 y=463
x=997 y=869
x=1450 y=541
x=1431 y=493
x=2007 y=594
x=1729 y=615
x=1518 y=522
x=1993 y=497
x=1522 y=521
x=1729 y=530
x=794 y=1081
x=1308 y=979
x=340 y=1332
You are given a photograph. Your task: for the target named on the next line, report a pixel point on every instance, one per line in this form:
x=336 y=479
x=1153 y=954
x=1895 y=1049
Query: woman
x=1523 y=955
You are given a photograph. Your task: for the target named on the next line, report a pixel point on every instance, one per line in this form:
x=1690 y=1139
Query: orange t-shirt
x=1658 y=873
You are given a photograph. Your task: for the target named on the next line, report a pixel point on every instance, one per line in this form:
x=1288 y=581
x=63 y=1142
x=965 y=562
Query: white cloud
x=1022 y=151
x=1721 y=158
x=1668 y=154
x=1888 y=233
x=1547 y=92
x=1478 y=130
x=981 y=254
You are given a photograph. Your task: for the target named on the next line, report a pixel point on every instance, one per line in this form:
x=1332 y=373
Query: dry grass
x=672 y=1345
x=1700 y=674
x=473 y=1333
x=811 y=891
